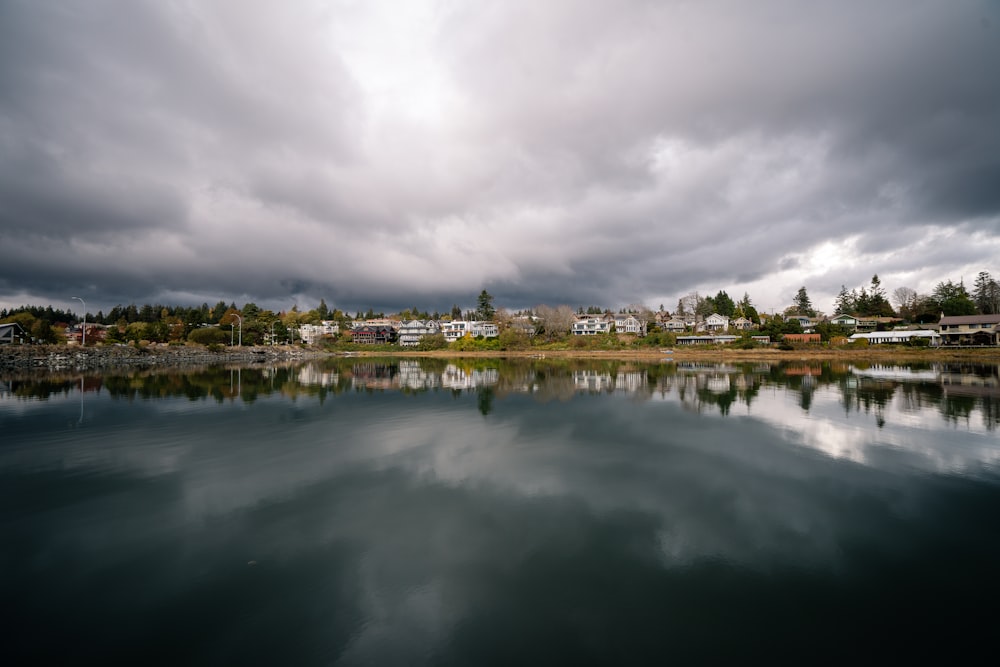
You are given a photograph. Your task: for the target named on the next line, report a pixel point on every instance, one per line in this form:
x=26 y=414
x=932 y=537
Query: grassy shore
x=873 y=353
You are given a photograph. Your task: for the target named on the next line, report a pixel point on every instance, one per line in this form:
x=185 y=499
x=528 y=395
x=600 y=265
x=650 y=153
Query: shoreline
x=64 y=357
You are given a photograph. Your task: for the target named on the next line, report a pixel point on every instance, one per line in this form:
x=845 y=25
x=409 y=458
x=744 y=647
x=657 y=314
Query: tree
x=802 y=304
x=745 y=308
x=878 y=305
x=906 y=301
x=208 y=336
x=952 y=299
x=217 y=312
x=485 y=311
x=986 y=294
x=844 y=304
x=557 y=321
x=322 y=311
x=724 y=304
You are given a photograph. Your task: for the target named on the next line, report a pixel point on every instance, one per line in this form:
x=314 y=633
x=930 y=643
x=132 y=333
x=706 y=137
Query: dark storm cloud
x=387 y=156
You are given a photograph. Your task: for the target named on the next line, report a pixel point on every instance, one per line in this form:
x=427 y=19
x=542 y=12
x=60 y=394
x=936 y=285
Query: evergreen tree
x=485 y=311
x=845 y=303
x=802 y=304
x=878 y=305
x=745 y=308
x=724 y=304
x=952 y=299
x=986 y=294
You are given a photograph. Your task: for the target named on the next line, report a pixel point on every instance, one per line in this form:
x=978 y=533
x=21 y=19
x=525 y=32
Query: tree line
x=206 y=324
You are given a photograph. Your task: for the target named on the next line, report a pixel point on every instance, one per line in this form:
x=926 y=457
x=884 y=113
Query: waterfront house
x=716 y=323
x=896 y=337
x=312 y=333
x=11 y=333
x=410 y=332
x=970 y=329
x=844 y=320
x=674 y=324
x=875 y=323
x=723 y=339
x=458 y=328
x=373 y=335
x=626 y=323
x=591 y=325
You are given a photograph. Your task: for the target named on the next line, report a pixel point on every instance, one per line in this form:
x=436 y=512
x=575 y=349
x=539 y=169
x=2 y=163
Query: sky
x=394 y=154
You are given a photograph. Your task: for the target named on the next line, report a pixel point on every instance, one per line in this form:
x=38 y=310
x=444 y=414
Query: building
x=675 y=325
x=844 y=320
x=458 y=328
x=801 y=338
x=970 y=329
x=411 y=332
x=626 y=323
x=312 y=333
x=716 y=323
x=741 y=324
x=11 y=333
x=592 y=325
x=896 y=337
x=373 y=335
x=723 y=339
x=873 y=323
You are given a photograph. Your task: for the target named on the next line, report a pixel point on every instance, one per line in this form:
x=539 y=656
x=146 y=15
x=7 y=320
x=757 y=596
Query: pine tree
x=485 y=311
x=802 y=303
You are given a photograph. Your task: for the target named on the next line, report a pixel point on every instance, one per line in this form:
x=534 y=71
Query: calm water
x=370 y=513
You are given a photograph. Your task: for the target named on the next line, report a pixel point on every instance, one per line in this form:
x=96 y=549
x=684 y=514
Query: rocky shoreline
x=64 y=357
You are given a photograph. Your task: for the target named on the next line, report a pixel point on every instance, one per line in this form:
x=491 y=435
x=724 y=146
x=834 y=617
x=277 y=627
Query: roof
x=970 y=319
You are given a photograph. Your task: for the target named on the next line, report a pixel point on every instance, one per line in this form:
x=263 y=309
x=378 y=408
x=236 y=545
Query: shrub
x=208 y=336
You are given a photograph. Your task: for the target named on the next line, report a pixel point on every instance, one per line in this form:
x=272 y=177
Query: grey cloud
x=232 y=146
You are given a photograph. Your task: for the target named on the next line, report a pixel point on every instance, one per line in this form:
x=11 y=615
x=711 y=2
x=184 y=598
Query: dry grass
x=875 y=353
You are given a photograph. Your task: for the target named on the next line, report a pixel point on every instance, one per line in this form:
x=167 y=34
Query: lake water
x=367 y=512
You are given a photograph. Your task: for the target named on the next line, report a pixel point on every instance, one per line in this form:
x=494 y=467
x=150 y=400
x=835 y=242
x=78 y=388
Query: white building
x=591 y=325
x=312 y=333
x=716 y=322
x=626 y=323
x=410 y=332
x=888 y=337
x=458 y=328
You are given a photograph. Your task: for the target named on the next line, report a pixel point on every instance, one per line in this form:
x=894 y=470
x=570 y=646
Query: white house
x=899 y=336
x=312 y=333
x=716 y=322
x=629 y=324
x=410 y=332
x=591 y=325
x=458 y=328
x=844 y=320
x=674 y=324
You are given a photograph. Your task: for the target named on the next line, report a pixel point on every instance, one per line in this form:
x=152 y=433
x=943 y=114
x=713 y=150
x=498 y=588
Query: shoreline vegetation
x=41 y=357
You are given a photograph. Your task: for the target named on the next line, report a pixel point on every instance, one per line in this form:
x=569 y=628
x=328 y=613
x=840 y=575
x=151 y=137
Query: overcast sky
x=395 y=154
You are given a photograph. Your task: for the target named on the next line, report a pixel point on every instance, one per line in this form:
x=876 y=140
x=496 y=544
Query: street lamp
x=83 y=342
x=241 y=330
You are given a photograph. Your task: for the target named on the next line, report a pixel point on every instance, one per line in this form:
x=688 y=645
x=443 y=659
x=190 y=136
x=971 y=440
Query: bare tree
x=557 y=321
x=688 y=304
x=905 y=299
